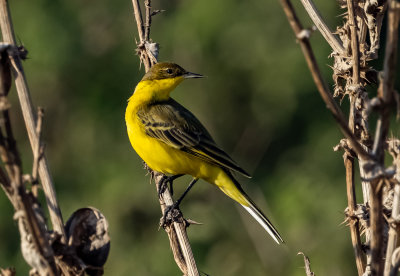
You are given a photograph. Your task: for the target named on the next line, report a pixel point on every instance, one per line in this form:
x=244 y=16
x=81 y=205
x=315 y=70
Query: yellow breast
x=157 y=155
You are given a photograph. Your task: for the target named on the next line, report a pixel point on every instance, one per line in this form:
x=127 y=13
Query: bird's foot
x=163 y=184
x=171 y=214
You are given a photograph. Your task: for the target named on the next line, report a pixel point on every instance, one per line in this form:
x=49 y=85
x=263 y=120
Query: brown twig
x=320 y=83
x=187 y=264
x=353 y=220
x=7 y=272
x=326 y=32
x=176 y=231
x=37 y=152
x=307 y=265
x=351 y=75
x=376 y=221
x=34 y=243
x=395 y=261
x=147 y=4
x=394 y=221
x=385 y=92
x=354 y=42
x=30 y=119
x=386 y=87
x=141 y=46
x=393 y=235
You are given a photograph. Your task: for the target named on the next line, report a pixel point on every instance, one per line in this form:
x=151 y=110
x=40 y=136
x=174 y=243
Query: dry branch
x=315 y=16
x=320 y=83
x=30 y=119
x=35 y=245
x=352 y=218
x=307 y=265
x=176 y=230
x=394 y=221
x=362 y=25
x=47 y=252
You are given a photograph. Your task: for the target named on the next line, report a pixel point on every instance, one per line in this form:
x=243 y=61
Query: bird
x=172 y=141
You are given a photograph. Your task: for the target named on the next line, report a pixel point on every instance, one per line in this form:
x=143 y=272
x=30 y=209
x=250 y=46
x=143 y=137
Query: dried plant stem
x=144 y=58
x=30 y=120
x=393 y=235
x=147 y=4
x=176 y=231
x=139 y=20
x=320 y=83
x=376 y=221
x=307 y=265
x=354 y=42
x=386 y=87
x=187 y=264
x=351 y=71
x=385 y=92
x=34 y=243
x=315 y=16
x=353 y=220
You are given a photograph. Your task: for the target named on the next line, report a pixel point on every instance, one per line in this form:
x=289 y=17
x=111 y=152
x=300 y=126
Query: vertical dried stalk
x=393 y=235
x=35 y=246
x=333 y=41
x=182 y=251
x=386 y=87
x=176 y=231
x=320 y=83
x=307 y=265
x=30 y=120
x=351 y=75
x=376 y=221
x=353 y=220
x=354 y=42
x=386 y=92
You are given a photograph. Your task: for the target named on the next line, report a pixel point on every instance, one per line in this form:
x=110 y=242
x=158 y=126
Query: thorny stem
x=139 y=20
x=354 y=42
x=20 y=199
x=376 y=221
x=393 y=235
x=386 y=87
x=147 y=4
x=386 y=92
x=307 y=265
x=176 y=231
x=353 y=220
x=320 y=83
x=30 y=120
x=144 y=58
x=333 y=41
x=364 y=13
x=37 y=153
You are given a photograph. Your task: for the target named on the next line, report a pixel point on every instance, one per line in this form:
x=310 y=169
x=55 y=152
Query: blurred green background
x=258 y=101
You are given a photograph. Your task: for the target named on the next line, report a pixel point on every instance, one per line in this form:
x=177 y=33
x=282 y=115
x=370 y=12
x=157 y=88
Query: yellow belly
x=161 y=157
x=168 y=160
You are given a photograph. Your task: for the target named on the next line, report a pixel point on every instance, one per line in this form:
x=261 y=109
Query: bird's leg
x=191 y=184
x=174 y=206
x=163 y=184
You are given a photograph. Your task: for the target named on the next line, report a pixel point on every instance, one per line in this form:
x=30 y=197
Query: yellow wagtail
x=171 y=140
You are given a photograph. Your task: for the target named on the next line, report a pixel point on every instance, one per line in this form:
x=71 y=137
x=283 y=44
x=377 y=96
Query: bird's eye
x=169 y=71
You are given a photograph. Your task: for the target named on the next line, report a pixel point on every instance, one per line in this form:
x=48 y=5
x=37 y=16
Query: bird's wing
x=176 y=126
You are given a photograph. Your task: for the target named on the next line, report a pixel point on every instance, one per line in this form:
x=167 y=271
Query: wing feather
x=176 y=126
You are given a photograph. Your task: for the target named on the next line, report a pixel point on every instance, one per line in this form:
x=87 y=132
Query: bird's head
x=166 y=76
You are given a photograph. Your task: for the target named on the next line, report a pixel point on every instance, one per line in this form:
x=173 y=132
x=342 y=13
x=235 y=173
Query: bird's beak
x=189 y=75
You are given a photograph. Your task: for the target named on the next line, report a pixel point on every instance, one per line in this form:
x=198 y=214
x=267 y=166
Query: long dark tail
x=252 y=208
x=264 y=221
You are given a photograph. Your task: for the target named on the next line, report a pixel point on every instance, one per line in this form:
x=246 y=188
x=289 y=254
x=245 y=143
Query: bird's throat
x=150 y=91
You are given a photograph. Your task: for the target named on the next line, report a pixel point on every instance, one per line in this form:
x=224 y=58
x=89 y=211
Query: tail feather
x=264 y=221
x=231 y=187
